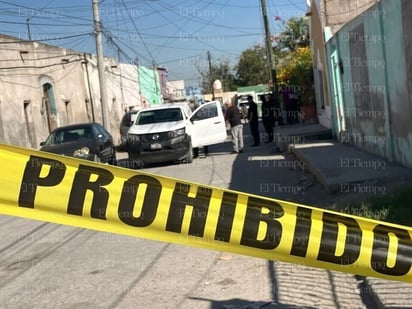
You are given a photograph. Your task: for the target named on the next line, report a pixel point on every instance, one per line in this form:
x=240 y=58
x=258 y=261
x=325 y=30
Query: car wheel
x=96 y=158
x=112 y=160
x=189 y=155
x=195 y=152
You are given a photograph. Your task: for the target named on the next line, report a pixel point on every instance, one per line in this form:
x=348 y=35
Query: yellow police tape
x=74 y=192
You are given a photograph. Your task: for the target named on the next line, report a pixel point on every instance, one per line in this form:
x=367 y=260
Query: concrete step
x=347 y=169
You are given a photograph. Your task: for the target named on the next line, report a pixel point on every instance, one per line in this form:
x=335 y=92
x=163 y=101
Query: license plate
x=156 y=146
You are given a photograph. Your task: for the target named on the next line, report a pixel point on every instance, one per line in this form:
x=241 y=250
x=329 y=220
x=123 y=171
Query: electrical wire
x=39 y=59
x=138 y=32
x=45 y=12
x=52 y=39
x=25 y=67
x=147 y=41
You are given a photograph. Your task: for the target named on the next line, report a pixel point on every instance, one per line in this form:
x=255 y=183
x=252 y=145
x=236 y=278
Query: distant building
x=43 y=87
x=164 y=91
x=176 y=89
x=195 y=94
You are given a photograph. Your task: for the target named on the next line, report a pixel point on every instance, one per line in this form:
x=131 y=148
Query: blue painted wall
x=374 y=54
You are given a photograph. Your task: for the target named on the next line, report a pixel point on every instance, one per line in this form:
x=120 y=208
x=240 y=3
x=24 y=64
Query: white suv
x=169 y=132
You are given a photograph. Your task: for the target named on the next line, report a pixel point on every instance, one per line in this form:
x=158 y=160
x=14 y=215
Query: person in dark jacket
x=232 y=116
x=268 y=116
x=253 y=121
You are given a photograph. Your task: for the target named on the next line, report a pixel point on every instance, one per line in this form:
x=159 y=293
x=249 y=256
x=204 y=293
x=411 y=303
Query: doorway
x=49 y=106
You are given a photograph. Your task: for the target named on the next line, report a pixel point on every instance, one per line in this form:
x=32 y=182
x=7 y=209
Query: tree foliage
x=252 y=68
x=292 y=56
x=297 y=73
x=295 y=34
x=220 y=70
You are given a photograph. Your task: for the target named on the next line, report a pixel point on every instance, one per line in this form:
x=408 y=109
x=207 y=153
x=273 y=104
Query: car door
x=207 y=125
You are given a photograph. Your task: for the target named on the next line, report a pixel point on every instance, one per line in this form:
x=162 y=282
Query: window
x=206 y=112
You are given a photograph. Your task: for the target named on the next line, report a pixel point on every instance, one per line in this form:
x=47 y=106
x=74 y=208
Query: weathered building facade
x=327 y=17
x=43 y=87
x=369 y=74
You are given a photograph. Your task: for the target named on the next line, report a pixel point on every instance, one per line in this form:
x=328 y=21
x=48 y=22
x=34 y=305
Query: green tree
x=297 y=72
x=295 y=34
x=220 y=70
x=252 y=68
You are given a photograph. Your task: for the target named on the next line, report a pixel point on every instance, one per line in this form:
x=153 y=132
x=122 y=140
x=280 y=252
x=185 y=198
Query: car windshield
x=159 y=115
x=69 y=135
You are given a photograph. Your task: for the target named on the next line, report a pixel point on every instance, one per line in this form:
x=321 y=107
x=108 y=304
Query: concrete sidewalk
x=346 y=169
x=338 y=167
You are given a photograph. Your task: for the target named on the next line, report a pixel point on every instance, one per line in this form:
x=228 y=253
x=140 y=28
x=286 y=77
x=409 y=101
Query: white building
x=43 y=87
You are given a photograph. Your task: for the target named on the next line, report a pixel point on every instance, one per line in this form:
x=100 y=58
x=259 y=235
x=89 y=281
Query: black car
x=89 y=141
x=126 y=122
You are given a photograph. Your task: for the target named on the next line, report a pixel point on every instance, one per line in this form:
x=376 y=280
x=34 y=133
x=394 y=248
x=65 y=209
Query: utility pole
x=136 y=62
x=269 y=48
x=155 y=79
x=88 y=85
x=28 y=28
x=121 y=81
x=100 y=63
x=209 y=59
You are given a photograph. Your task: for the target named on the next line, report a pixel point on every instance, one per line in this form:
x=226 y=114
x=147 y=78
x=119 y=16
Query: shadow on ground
x=237 y=303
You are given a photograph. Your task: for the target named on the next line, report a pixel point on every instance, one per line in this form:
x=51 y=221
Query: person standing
x=232 y=116
x=286 y=103
x=253 y=121
x=268 y=116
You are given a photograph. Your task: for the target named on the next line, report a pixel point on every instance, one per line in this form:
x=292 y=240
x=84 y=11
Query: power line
x=113 y=40
x=38 y=66
x=45 y=12
x=39 y=24
x=39 y=59
x=52 y=39
x=138 y=32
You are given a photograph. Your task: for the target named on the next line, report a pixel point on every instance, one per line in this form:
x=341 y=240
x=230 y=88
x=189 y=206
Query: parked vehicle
x=170 y=132
x=243 y=106
x=243 y=103
x=88 y=141
x=126 y=122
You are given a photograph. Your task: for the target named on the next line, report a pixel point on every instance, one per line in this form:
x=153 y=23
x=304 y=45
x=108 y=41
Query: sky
x=175 y=34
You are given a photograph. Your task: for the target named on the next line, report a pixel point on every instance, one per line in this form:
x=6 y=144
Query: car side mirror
x=42 y=143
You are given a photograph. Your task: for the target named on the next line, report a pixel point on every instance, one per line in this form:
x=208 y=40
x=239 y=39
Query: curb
x=313 y=170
